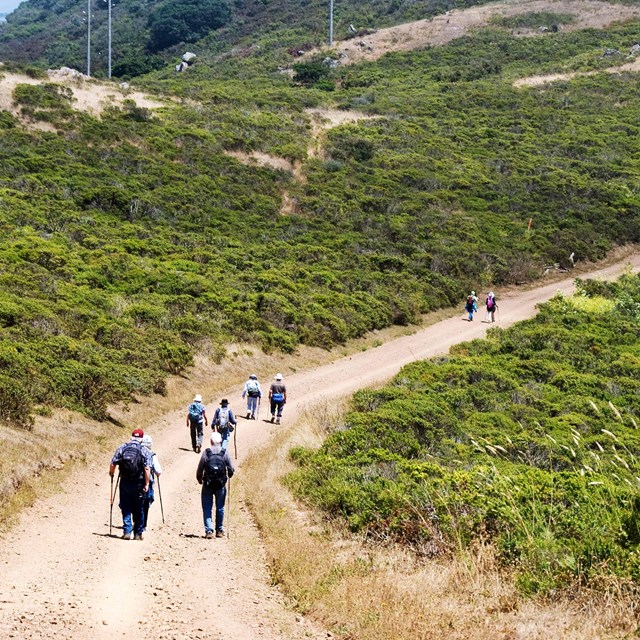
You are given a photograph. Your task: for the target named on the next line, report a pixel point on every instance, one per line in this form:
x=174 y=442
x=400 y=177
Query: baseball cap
x=137 y=433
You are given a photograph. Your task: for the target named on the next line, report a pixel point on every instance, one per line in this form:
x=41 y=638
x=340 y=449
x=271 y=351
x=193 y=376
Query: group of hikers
x=139 y=468
x=490 y=302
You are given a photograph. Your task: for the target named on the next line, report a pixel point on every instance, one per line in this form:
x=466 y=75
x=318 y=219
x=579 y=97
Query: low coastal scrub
x=527 y=440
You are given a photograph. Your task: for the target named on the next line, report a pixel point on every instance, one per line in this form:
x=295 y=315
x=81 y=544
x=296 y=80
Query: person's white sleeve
x=156 y=465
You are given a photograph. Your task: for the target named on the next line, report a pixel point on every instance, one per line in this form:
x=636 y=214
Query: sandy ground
x=444 y=28
x=64 y=576
x=536 y=81
x=89 y=95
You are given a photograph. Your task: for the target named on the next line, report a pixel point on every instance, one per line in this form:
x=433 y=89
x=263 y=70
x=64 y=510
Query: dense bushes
x=185 y=21
x=528 y=439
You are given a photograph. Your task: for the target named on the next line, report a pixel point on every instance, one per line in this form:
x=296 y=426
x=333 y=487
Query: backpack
x=215 y=470
x=252 y=387
x=195 y=412
x=470 y=300
x=490 y=302
x=223 y=417
x=132 y=462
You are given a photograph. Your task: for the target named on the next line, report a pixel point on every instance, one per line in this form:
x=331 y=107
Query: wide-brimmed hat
x=278 y=376
x=224 y=402
x=197 y=398
x=147 y=441
x=254 y=376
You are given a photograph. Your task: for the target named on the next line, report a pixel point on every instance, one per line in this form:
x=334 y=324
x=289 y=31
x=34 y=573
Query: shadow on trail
x=184 y=449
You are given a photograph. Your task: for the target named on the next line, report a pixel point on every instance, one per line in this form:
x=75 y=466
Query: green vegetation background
x=132 y=241
x=528 y=440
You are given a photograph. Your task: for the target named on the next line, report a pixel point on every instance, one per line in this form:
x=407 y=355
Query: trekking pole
x=160 y=496
x=113 y=493
x=229 y=514
x=235 y=442
x=259 y=398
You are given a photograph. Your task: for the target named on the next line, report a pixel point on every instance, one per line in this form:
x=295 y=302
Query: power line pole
x=109 y=42
x=331 y=23
x=88 y=38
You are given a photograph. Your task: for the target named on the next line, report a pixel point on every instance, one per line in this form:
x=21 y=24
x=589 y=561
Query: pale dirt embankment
x=63 y=576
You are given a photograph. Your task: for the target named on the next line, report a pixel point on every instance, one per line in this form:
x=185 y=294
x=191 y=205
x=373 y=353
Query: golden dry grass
x=364 y=591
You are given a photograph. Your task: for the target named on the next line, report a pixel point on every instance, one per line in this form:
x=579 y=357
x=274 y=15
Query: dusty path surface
x=63 y=576
x=442 y=29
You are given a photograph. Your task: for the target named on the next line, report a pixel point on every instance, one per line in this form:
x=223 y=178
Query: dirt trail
x=536 y=81
x=62 y=576
x=442 y=29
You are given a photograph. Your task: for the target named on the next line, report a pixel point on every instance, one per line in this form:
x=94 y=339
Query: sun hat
x=216 y=438
x=224 y=402
x=254 y=376
x=137 y=433
x=278 y=376
x=147 y=441
x=197 y=398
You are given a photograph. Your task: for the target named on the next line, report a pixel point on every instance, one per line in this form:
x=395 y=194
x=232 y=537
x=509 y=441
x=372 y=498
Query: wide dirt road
x=63 y=576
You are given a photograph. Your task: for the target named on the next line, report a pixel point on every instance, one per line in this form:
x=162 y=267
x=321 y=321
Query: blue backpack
x=195 y=412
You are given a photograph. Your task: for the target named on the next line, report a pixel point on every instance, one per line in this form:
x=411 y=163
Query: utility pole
x=109 y=42
x=88 y=38
x=331 y=23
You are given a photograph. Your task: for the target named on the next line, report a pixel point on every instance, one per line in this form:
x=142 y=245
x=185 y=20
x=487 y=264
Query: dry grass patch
x=365 y=591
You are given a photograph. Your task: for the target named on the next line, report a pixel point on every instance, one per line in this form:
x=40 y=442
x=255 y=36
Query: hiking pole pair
x=113 y=493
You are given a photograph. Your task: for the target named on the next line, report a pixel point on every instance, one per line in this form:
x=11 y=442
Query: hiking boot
x=220 y=534
x=272 y=419
x=248 y=415
x=253 y=417
x=208 y=535
x=138 y=536
x=277 y=420
x=126 y=536
x=197 y=449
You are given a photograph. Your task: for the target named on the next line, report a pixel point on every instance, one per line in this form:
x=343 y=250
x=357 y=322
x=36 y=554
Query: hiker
x=133 y=460
x=492 y=305
x=224 y=422
x=213 y=469
x=277 y=397
x=252 y=392
x=472 y=305
x=154 y=471
x=196 y=421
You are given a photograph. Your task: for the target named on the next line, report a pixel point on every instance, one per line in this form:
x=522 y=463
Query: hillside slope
x=101 y=586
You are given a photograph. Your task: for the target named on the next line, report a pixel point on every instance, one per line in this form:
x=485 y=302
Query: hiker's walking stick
x=235 y=442
x=113 y=493
x=160 y=496
x=229 y=514
x=259 y=398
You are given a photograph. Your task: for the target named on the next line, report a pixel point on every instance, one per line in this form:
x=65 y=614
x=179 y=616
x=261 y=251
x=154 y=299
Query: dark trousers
x=131 y=505
x=197 y=432
x=277 y=406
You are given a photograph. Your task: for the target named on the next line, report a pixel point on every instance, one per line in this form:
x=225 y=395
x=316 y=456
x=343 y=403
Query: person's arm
x=204 y=415
x=230 y=468
x=112 y=469
x=188 y=421
x=200 y=469
x=284 y=393
x=157 y=468
x=232 y=418
x=147 y=477
x=244 y=390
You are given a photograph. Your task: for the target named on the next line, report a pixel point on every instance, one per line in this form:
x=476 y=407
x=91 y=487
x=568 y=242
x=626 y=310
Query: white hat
x=147 y=441
x=216 y=438
x=197 y=398
x=278 y=376
x=254 y=376
x=473 y=293
x=491 y=293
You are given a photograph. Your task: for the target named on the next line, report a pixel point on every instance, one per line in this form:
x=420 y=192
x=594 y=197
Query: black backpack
x=132 y=462
x=215 y=470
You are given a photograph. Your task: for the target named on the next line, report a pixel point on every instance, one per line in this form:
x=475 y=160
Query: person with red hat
x=133 y=460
